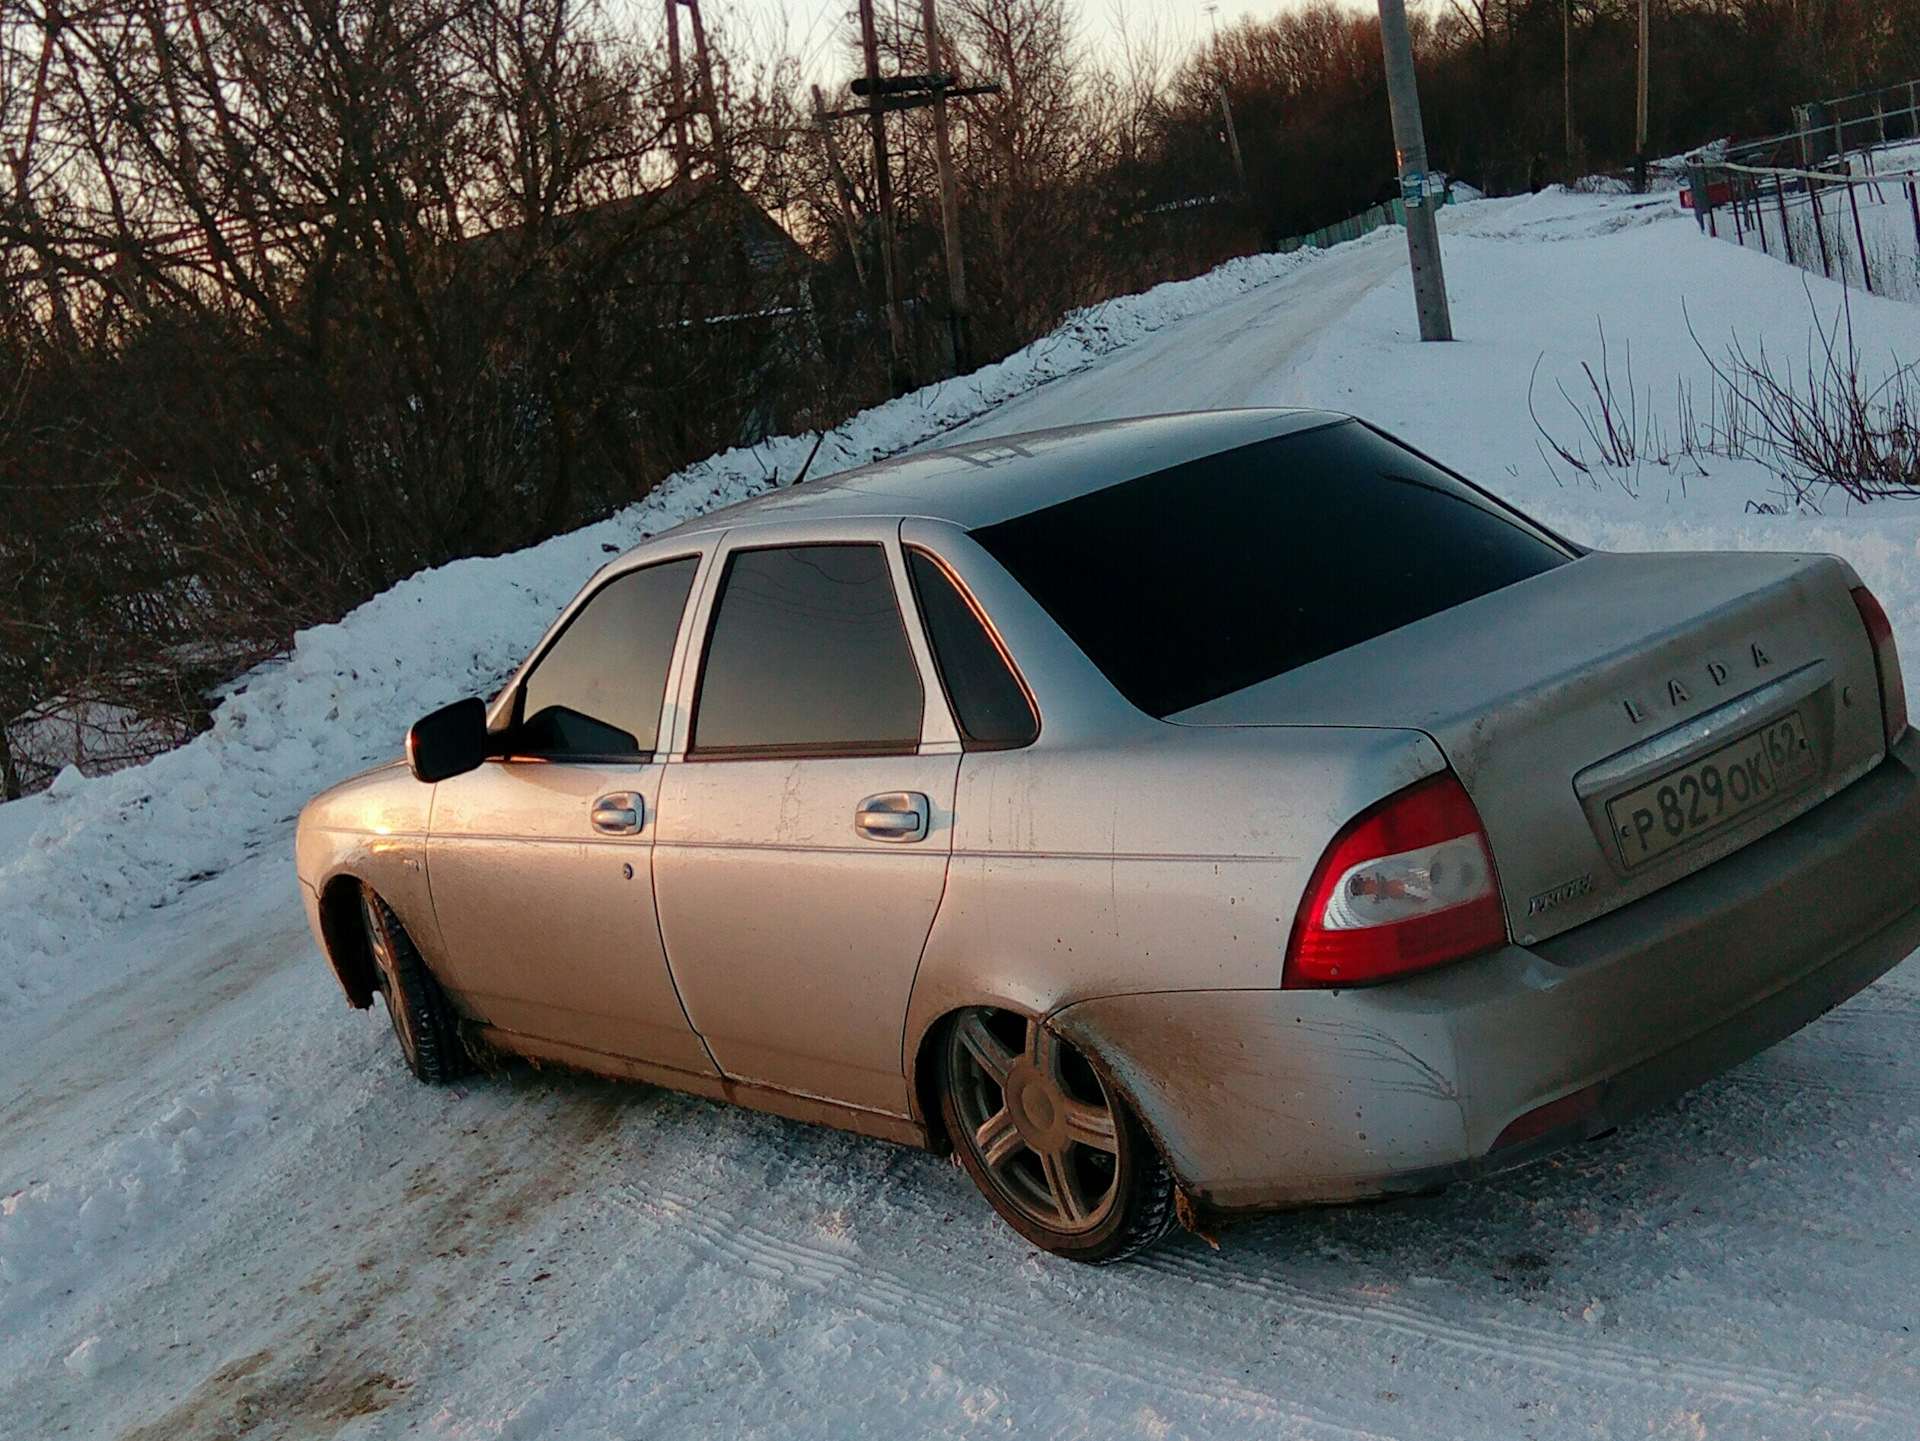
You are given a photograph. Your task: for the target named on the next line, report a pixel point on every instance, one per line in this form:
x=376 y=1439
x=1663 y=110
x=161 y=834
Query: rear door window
x=807 y=655
x=598 y=691
x=1198 y=581
x=989 y=703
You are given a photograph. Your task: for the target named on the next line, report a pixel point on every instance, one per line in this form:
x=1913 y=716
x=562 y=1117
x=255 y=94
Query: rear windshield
x=1195 y=582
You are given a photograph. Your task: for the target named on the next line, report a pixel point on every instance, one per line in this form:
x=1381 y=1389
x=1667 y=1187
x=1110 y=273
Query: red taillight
x=1886 y=663
x=1407 y=885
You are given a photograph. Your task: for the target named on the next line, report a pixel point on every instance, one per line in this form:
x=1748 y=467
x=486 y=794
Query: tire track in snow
x=1500 y=1342
x=795 y=1264
x=790 y=1262
x=1859 y=1050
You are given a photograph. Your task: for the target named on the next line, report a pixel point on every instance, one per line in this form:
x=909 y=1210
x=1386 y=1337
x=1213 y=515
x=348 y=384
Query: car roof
x=984 y=481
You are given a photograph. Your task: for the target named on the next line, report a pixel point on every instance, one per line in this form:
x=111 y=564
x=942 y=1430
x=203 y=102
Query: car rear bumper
x=1273 y=1098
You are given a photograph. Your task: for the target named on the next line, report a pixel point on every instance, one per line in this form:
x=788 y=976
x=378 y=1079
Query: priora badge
x=1560 y=894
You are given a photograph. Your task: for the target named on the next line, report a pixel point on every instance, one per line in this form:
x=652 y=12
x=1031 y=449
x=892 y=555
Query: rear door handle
x=894 y=816
x=621 y=814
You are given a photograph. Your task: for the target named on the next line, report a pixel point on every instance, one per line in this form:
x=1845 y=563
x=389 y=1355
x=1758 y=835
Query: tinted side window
x=808 y=655
x=1203 y=579
x=599 y=689
x=987 y=698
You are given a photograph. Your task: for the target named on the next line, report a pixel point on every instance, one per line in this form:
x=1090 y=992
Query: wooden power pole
x=1233 y=137
x=1410 y=140
x=702 y=100
x=949 y=200
x=879 y=95
x=883 y=199
x=824 y=123
x=1640 y=104
x=676 y=93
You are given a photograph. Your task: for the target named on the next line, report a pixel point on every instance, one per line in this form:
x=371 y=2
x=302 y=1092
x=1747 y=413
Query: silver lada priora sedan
x=1176 y=817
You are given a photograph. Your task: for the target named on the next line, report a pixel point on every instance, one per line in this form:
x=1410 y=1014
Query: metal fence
x=1375 y=217
x=1827 y=129
x=1856 y=226
x=1839 y=194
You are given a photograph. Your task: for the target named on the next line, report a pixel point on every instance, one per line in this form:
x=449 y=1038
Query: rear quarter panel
x=1171 y=863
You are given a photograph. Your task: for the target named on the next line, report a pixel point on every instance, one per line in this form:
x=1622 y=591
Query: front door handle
x=894 y=816
x=621 y=814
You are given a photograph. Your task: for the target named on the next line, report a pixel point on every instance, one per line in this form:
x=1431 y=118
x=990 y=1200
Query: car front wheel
x=423 y=1018
x=1062 y=1160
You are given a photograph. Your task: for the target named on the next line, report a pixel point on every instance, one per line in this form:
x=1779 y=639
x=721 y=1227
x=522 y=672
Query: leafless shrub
x=1823 y=427
x=1621 y=429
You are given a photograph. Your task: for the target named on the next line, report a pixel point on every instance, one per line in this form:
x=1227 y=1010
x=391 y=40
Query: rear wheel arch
x=925 y=1075
x=925 y=1081
x=1117 y=1076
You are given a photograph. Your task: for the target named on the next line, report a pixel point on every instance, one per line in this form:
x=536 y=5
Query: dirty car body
x=1356 y=832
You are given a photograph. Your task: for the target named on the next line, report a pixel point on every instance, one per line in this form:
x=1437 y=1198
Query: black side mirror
x=448 y=743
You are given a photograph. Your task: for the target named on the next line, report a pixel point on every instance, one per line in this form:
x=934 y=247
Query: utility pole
x=1566 y=80
x=702 y=102
x=1226 y=106
x=676 y=93
x=949 y=200
x=883 y=197
x=909 y=92
x=1410 y=142
x=824 y=124
x=704 y=59
x=1233 y=137
x=1640 y=106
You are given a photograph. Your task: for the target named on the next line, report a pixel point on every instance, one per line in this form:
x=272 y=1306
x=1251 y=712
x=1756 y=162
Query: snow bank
x=89 y=854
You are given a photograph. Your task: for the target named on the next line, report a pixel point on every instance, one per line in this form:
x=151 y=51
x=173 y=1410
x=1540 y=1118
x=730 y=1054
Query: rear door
x=805 y=830
x=541 y=862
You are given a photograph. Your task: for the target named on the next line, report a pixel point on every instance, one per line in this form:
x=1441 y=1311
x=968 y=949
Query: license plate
x=1714 y=791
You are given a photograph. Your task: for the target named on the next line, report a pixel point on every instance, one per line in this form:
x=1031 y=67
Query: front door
x=541 y=863
x=803 y=839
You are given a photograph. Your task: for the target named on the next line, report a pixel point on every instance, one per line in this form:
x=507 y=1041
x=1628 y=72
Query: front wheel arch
x=346 y=941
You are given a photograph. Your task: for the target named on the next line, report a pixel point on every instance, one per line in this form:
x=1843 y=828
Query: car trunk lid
x=1620 y=721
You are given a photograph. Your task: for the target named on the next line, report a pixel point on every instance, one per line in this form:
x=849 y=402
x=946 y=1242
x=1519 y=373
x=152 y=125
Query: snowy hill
x=228 y=1210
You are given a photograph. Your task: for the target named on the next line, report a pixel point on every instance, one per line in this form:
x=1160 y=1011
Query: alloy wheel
x=1037 y=1119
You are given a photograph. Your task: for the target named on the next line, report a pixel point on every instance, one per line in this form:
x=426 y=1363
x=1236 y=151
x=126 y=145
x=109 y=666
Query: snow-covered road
x=228 y=1210
x=1235 y=354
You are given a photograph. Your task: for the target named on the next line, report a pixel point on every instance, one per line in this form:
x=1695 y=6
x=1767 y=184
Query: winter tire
x=1061 y=1158
x=422 y=1017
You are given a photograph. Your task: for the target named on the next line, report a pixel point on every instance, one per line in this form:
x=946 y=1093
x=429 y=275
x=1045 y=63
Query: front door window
x=597 y=692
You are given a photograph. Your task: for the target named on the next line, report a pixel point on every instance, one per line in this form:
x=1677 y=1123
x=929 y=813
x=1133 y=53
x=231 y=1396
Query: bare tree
x=310 y=293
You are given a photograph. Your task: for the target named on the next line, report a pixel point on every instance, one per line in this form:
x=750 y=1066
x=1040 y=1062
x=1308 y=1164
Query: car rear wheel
x=422 y=1016
x=1062 y=1159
